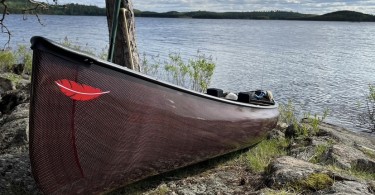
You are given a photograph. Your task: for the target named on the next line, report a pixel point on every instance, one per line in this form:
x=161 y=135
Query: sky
x=302 y=6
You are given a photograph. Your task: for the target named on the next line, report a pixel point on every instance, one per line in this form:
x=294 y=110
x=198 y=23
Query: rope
x=123 y=11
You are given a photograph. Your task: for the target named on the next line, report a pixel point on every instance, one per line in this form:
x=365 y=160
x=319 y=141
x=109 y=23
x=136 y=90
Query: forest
x=18 y=7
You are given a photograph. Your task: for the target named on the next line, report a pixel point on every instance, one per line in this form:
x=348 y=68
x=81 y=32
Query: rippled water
x=317 y=65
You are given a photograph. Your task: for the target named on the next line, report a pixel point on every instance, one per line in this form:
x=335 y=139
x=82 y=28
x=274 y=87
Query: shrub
x=7 y=59
x=288 y=116
x=68 y=43
x=194 y=74
x=22 y=55
x=367 y=117
x=287 y=113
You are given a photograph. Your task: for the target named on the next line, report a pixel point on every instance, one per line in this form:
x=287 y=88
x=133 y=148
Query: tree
x=126 y=53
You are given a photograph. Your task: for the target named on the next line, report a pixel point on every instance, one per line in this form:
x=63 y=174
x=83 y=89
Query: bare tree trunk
x=126 y=53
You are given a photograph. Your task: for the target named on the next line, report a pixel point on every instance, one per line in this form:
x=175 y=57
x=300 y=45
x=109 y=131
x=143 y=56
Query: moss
x=161 y=190
x=314 y=182
x=259 y=157
x=318 y=181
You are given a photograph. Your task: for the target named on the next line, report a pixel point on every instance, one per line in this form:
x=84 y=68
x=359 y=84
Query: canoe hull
x=139 y=127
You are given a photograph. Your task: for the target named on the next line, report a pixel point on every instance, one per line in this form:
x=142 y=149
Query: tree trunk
x=125 y=53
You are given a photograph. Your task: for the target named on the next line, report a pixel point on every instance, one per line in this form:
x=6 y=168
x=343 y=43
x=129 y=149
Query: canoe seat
x=215 y=92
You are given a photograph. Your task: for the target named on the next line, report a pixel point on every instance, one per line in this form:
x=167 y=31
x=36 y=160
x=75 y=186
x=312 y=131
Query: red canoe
x=96 y=126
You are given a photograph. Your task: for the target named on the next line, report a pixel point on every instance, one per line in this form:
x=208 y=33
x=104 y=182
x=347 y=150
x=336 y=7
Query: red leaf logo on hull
x=79 y=92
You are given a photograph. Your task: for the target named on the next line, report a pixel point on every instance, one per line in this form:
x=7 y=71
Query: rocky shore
x=333 y=160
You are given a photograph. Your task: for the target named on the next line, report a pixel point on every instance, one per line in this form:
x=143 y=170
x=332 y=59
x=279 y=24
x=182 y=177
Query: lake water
x=317 y=65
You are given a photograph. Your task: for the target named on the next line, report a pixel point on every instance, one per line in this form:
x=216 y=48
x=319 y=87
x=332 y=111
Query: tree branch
x=4 y=28
x=36 y=6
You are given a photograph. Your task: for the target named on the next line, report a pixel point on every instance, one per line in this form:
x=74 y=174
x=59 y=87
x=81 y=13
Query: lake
x=317 y=65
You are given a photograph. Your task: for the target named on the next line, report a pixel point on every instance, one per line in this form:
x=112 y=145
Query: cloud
x=303 y=6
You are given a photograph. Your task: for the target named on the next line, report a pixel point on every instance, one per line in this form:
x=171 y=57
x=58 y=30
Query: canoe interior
x=133 y=128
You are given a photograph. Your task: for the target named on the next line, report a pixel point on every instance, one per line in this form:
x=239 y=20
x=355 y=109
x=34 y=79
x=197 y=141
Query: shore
x=326 y=159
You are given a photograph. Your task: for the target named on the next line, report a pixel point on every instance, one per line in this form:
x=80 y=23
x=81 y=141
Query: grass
x=355 y=172
x=369 y=153
x=320 y=151
x=259 y=157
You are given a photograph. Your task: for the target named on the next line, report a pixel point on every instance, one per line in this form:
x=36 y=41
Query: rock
x=18 y=68
x=13 y=136
x=291 y=131
x=217 y=181
x=287 y=170
x=276 y=134
x=282 y=126
x=346 y=137
x=11 y=99
x=24 y=84
x=371 y=187
x=20 y=112
x=350 y=187
x=367 y=165
x=5 y=85
x=15 y=174
x=13 y=132
x=345 y=157
x=303 y=153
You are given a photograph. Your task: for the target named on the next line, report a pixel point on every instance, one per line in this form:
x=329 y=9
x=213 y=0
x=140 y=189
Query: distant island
x=16 y=7
x=351 y=16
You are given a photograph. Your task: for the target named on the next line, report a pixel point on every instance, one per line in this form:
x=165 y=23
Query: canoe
x=96 y=126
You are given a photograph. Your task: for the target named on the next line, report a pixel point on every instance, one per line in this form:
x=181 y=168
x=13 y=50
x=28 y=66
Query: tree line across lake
x=17 y=7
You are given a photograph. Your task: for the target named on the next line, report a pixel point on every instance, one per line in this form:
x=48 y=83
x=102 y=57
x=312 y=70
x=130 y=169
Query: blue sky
x=304 y=6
